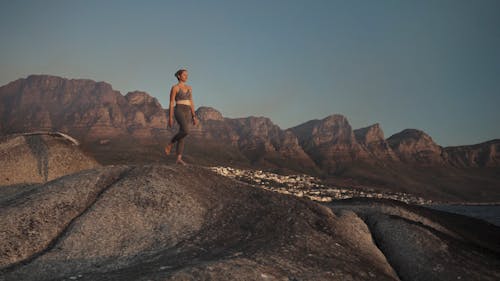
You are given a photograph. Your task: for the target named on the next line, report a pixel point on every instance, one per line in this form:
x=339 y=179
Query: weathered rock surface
x=424 y=244
x=158 y=222
x=415 y=146
x=177 y=223
x=485 y=154
x=206 y=113
x=257 y=138
x=83 y=108
x=261 y=141
x=372 y=139
x=38 y=158
x=330 y=142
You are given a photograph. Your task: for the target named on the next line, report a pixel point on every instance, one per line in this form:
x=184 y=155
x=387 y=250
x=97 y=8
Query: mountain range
x=133 y=127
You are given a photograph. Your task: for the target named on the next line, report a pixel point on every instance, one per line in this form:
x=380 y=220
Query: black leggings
x=182 y=114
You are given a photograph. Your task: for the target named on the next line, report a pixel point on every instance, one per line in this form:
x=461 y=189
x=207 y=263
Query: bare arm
x=173 y=93
x=193 y=112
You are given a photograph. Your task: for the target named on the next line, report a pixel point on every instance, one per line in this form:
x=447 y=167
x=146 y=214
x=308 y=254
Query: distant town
x=310 y=187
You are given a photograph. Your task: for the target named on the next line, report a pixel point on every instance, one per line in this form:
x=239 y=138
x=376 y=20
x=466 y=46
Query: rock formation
x=187 y=223
x=330 y=142
x=372 y=139
x=38 y=158
x=485 y=154
x=94 y=112
x=207 y=113
x=83 y=108
x=258 y=138
x=424 y=244
x=415 y=146
x=117 y=129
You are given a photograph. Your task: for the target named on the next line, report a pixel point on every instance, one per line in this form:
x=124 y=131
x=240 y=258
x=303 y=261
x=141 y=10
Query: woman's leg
x=186 y=114
x=182 y=114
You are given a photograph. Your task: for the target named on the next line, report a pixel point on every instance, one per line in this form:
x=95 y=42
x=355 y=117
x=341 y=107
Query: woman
x=181 y=95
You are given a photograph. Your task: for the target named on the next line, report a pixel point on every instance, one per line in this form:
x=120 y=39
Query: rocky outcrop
x=424 y=244
x=416 y=147
x=372 y=139
x=186 y=223
x=330 y=142
x=144 y=115
x=96 y=114
x=83 y=108
x=257 y=135
x=38 y=158
x=208 y=113
x=485 y=154
x=264 y=142
x=172 y=223
x=257 y=138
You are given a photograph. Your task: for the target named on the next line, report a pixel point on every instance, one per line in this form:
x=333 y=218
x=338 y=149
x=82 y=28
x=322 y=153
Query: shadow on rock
x=39 y=149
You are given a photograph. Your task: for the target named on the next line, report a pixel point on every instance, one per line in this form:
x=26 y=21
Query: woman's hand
x=170 y=122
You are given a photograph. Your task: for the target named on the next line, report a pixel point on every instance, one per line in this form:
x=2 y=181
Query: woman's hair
x=179 y=72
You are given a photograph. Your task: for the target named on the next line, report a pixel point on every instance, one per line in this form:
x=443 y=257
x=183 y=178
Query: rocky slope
x=415 y=146
x=83 y=108
x=96 y=114
x=330 y=142
x=372 y=139
x=258 y=139
x=158 y=222
x=485 y=154
x=422 y=244
x=37 y=158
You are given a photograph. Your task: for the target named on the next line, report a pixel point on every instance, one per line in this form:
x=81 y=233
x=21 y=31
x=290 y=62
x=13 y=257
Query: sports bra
x=183 y=95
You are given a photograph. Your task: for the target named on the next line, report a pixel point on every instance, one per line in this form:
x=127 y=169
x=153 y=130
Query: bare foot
x=168 y=148
x=180 y=162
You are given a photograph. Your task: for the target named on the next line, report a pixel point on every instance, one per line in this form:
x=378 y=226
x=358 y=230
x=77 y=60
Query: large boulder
x=425 y=244
x=159 y=222
x=40 y=157
x=177 y=223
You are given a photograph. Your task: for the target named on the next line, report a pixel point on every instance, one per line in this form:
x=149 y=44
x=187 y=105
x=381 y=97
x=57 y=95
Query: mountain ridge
x=94 y=111
x=132 y=128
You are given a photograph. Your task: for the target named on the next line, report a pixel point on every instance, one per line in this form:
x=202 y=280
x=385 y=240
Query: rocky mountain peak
x=330 y=141
x=486 y=154
x=140 y=98
x=369 y=134
x=91 y=111
x=206 y=113
x=414 y=145
x=333 y=129
x=334 y=119
x=412 y=137
x=372 y=140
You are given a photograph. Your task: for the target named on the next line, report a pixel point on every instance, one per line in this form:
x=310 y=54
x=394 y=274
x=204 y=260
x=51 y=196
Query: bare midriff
x=185 y=102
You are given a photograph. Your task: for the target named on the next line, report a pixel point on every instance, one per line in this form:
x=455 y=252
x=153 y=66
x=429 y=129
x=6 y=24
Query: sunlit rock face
x=330 y=142
x=485 y=154
x=38 y=158
x=373 y=141
x=415 y=146
x=83 y=108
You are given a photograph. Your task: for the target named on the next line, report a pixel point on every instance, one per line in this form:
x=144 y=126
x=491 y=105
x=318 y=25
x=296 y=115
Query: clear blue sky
x=431 y=65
